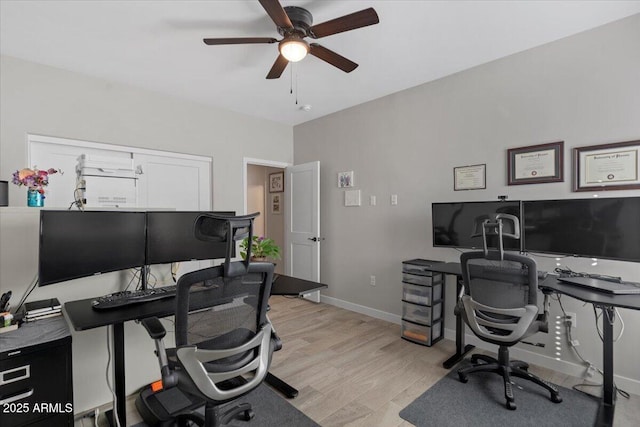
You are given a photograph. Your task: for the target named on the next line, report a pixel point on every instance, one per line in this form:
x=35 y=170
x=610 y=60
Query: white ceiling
x=157 y=45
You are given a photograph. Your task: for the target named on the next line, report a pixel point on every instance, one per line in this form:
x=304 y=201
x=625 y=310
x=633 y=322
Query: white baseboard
x=628 y=384
x=372 y=312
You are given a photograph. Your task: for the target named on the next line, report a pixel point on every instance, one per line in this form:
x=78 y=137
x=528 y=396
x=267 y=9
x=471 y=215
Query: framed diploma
x=472 y=177
x=536 y=164
x=607 y=167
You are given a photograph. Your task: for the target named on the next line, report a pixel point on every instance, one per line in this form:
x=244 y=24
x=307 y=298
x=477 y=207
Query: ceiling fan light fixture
x=293 y=49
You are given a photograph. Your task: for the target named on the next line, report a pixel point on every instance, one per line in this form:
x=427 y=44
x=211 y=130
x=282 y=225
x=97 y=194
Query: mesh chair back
x=210 y=306
x=223 y=336
x=500 y=301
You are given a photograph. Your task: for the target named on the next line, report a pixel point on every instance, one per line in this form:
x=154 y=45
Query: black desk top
x=551 y=282
x=287 y=285
x=590 y=296
x=82 y=315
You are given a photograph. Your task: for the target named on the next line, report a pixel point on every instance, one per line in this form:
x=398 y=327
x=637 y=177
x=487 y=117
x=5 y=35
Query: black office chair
x=500 y=305
x=224 y=340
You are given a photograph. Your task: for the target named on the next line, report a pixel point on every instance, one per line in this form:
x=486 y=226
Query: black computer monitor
x=597 y=227
x=170 y=238
x=454 y=223
x=76 y=244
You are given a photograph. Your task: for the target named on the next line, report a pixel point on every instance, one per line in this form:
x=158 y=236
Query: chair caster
x=555 y=398
x=248 y=415
x=511 y=405
x=463 y=378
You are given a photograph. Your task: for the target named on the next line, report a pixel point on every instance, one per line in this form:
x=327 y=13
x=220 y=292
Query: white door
x=302 y=223
x=168 y=182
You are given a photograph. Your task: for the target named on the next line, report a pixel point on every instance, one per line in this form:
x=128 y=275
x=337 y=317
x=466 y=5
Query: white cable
x=115 y=398
x=621 y=325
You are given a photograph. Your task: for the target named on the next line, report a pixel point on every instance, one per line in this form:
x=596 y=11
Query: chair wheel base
x=555 y=398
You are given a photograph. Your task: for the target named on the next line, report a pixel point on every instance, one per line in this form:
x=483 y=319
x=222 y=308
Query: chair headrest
x=221 y=228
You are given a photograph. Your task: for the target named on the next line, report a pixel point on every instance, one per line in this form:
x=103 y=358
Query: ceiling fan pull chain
x=291 y=79
x=296 y=86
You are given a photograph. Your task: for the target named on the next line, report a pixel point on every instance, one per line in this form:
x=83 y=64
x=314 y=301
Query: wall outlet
x=570 y=318
x=373 y=281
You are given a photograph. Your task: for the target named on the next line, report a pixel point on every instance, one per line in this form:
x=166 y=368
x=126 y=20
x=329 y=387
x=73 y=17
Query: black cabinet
x=422 y=302
x=36 y=387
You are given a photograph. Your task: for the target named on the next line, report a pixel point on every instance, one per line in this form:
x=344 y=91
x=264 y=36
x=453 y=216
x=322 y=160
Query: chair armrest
x=154 y=328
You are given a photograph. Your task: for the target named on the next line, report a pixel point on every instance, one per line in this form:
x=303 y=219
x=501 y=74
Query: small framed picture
x=472 y=177
x=536 y=164
x=607 y=167
x=276 y=204
x=276 y=182
x=345 y=179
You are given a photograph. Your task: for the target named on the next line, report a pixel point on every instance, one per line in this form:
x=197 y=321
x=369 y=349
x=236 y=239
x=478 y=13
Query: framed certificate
x=607 y=167
x=536 y=164
x=472 y=177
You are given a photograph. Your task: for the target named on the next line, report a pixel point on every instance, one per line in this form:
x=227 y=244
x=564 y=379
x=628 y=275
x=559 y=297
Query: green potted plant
x=261 y=249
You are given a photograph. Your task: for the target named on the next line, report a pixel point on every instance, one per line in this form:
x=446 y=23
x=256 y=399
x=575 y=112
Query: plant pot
x=35 y=199
x=258 y=259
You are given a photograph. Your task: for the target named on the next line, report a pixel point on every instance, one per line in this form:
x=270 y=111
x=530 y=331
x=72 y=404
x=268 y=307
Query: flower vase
x=35 y=199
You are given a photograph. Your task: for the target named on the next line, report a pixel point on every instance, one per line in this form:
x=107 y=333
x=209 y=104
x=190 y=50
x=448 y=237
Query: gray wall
x=583 y=90
x=48 y=101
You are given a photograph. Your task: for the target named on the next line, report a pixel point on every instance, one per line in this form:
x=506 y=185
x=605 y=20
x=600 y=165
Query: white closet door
x=59 y=192
x=169 y=182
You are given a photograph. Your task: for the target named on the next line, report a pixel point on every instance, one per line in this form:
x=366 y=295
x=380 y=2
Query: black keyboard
x=121 y=299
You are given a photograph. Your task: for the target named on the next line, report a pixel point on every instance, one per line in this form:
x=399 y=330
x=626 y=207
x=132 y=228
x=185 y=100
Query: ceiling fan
x=294 y=24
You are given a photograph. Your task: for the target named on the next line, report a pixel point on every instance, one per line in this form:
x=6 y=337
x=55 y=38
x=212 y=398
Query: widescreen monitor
x=76 y=244
x=454 y=223
x=170 y=238
x=596 y=227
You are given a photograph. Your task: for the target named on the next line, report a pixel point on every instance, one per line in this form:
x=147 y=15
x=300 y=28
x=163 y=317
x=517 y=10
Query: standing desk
x=83 y=317
x=607 y=302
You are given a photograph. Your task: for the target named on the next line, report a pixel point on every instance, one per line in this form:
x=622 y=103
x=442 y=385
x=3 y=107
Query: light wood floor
x=354 y=370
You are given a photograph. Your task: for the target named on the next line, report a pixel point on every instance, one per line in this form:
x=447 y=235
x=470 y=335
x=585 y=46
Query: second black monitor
x=170 y=238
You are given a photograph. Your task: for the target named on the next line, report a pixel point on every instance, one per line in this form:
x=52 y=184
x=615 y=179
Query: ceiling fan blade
x=278 y=67
x=276 y=12
x=239 y=40
x=332 y=58
x=345 y=23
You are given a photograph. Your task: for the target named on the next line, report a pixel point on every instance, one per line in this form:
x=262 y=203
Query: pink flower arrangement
x=35 y=179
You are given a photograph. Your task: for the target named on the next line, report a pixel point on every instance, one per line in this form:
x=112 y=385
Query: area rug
x=271 y=409
x=480 y=402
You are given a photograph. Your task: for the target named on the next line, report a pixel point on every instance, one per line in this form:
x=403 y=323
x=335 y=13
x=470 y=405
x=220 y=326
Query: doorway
x=270 y=204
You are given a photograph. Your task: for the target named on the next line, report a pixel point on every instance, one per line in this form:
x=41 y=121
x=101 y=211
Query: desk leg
x=117 y=341
x=608 y=404
x=461 y=348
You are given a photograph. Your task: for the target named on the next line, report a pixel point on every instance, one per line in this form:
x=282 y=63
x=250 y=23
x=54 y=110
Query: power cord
x=27 y=292
x=590 y=366
x=115 y=398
